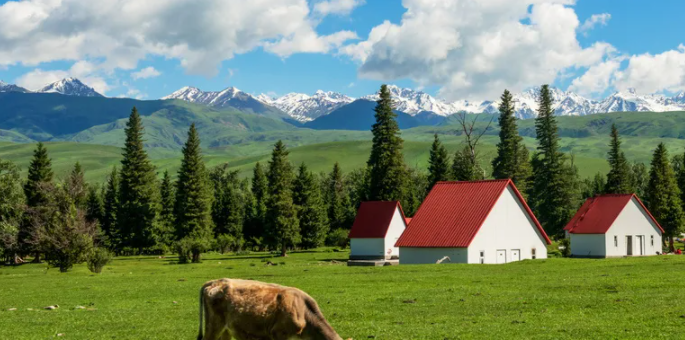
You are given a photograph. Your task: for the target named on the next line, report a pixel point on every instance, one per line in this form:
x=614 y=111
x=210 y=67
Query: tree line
x=283 y=207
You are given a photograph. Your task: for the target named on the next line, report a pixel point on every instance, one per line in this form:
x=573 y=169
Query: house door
x=501 y=256
x=629 y=245
x=515 y=255
x=640 y=244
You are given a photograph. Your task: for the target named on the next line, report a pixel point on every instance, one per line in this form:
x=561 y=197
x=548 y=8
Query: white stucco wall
x=507 y=228
x=397 y=226
x=632 y=221
x=430 y=255
x=588 y=245
x=380 y=247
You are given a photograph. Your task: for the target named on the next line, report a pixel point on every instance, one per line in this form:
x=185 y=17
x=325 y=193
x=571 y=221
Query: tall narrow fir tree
x=618 y=178
x=512 y=156
x=283 y=226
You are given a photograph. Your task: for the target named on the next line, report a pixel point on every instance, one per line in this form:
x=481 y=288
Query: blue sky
x=448 y=59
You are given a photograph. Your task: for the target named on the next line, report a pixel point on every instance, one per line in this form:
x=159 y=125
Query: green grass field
x=152 y=298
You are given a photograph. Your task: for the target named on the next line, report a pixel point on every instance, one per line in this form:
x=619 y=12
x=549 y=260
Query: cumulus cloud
x=648 y=73
x=88 y=73
x=122 y=32
x=598 y=78
x=340 y=7
x=593 y=21
x=474 y=49
x=148 y=72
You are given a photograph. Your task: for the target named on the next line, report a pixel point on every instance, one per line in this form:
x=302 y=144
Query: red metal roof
x=373 y=219
x=598 y=213
x=453 y=212
x=407 y=220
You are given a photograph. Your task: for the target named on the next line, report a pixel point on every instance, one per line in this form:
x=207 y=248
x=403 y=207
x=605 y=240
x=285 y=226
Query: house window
x=482 y=257
x=652 y=240
x=532 y=254
x=615 y=241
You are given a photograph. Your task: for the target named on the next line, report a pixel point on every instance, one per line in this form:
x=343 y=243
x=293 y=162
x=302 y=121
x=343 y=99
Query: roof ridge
x=471 y=182
x=613 y=195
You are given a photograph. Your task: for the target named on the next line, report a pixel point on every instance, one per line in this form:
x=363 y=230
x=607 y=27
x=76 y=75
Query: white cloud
x=339 y=7
x=474 y=49
x=88 y=73
x=200 y=34
x=148 y=72
x=598 y=78
x=594 y=20
x=648 y=73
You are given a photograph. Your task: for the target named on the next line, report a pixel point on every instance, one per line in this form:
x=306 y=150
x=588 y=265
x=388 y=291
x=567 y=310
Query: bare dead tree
x=472 y=136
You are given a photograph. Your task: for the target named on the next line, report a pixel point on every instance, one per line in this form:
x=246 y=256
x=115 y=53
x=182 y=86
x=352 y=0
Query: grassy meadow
x=155 y=298
x=97 y=160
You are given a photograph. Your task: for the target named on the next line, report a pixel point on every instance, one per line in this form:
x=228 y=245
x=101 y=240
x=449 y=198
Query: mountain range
x=67 y=86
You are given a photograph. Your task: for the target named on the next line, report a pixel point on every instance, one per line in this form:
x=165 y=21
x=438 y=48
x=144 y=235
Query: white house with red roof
x=376 y=228
x=614 y=226
x=473 y=222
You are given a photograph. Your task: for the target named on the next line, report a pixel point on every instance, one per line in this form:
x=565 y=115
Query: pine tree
x=463 y=169
x=618 y=178
x=138 y=194
x=554 y=195
x=340 y=211
x=111 y=206
x=512 y=156
x=256 y=227
x=76 y=187
x=311 y=211
x=386 y=162
x=165 y=233
x=40 y=171
x=230 y=202
x=282 y=224
x=663 y=195
x=639 y=179
x=95 y=209
x=193 y=198
x=438 y=163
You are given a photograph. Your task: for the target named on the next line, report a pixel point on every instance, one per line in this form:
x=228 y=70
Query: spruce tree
x=618 y=178
x=663 y=195
x=282 y=224
x=95 y=209
x=386 y=162
x=639 y=179
x=230 y=202
x=438 y=163
x=138 y=194
x=463 y=168
x=311 y=211
x=111 y=206
x=256 y=227
x=193 y=198
x=40 y=171
x=165 y=233
x=554 y=195
x=512 y=156
x=340 y=211
x=76 y=188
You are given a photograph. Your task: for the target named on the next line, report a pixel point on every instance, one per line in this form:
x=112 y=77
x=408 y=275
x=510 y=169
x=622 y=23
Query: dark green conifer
x=193 y=203
x=110 y=203
x=283 y=227
x=512 y=156
x=138 y=194
x=40 y=171
x=438 y=163
x=618 y=178
x=663 y=195
x=340 y=211
x=311 y=211
x=387 y=170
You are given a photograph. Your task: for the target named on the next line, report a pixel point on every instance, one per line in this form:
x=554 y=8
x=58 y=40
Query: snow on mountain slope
x=5 y=87
x=70 y=87
x=304 y=108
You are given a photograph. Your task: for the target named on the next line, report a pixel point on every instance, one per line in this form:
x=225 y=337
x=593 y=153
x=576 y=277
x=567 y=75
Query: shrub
x=98 y=259
x=339 y=238
x=565 y=247
x=189 y=249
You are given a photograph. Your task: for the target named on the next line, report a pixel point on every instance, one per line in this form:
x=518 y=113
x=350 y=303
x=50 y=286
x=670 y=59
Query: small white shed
x=614 y=226
x=376 y=228
x=473 y=222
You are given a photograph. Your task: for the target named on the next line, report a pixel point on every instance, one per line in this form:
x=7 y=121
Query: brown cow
x=252 y=310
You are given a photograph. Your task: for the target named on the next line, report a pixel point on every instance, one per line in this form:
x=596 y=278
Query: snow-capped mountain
x=5 y=87
x=229 y=97
x=70 y=87
x=303 y=107
x=413 y=102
